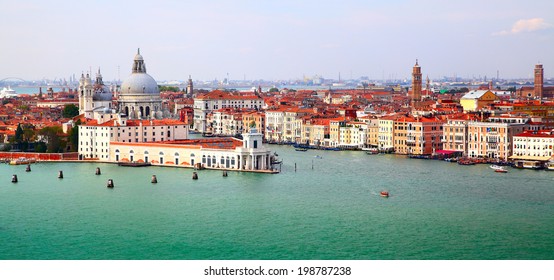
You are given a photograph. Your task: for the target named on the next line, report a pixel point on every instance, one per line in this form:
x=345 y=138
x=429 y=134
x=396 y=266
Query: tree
x=70 y=111
x=19 y=134
x=54 y=143
x=169 y=88
x=74 y=136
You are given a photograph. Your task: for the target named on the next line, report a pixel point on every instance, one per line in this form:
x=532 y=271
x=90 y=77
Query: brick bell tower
x=539 y=74
x=416 y=84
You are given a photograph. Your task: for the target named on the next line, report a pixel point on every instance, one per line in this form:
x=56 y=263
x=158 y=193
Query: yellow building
x=475 y=100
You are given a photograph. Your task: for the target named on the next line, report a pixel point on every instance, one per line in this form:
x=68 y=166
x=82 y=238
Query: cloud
x=526 y=25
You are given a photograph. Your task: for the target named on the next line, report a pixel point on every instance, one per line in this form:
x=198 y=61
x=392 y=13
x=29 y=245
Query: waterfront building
x=334 y=131
x=476 y=100
x=275 y=124
x=315 y=132
x=353 y=135
x=386 y=133
x=493 y=138
x=372 y=140
x=455 y=134
x=533 y=145
x=223 y=153
x=292 y=123
x=226 y=122
x=95 y=138
x=204 y=104
x=417 y=135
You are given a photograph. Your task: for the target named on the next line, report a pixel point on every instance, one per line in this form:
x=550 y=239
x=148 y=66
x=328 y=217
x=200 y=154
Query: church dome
x=139 y=83
x=102 y=93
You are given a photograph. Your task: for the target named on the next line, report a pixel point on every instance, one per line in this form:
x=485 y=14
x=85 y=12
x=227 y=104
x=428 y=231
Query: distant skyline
x=276 y=40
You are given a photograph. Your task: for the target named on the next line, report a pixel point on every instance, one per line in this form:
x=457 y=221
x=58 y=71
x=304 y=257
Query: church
x=138 y=98
x=138 y=129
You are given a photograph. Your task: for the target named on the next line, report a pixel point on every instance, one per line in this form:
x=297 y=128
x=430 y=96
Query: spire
x=138 y=50
x=416 y=62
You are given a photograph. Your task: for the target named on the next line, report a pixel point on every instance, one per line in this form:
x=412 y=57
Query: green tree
x=40 y=147
x=169 y=88
x=54 y=143
x=74 y=136
x=19 y=134
x=70 y=111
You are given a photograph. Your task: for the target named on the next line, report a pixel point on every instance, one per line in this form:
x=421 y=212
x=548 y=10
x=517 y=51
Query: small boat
x=550 y=165
x=21 y=161
x=372 y=151
x=318 y=156
x=499 y=169
x=300 y=149
x=384 y=193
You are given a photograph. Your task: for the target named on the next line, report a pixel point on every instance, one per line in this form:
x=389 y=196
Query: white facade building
x=95 y=139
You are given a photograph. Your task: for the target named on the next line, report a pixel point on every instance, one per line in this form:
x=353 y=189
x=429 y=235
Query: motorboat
x=499 y=169
x=384 y=193
x=300 y=149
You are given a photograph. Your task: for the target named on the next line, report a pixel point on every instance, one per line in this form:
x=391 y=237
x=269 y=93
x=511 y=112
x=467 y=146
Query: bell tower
x=539 y=74
x=416 y=83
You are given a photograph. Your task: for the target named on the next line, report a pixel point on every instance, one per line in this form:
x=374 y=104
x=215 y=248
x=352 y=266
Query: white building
x=206 y=103
x=95 y=138
x=534 y=145
x=214 y=153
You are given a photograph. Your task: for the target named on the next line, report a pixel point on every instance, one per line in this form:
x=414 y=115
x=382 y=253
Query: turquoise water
x=437 y=210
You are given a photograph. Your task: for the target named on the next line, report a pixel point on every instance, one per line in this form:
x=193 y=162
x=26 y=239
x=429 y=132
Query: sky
x=276 y=40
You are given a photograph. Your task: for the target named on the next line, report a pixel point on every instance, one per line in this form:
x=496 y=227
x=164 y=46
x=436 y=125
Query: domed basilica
x=138 y=98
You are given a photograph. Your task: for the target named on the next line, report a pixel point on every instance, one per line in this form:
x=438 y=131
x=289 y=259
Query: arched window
x=161 y=153
x=176 y=154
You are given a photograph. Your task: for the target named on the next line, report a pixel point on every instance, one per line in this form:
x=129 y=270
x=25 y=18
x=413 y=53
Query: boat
x=498 y=169
x=384 y=193
x=318 y=156
x=528 y=164
x=21 y=161
x=549 y=165
x=7 y=92
x=371 y=151
x=451 y=159
x=300 y=149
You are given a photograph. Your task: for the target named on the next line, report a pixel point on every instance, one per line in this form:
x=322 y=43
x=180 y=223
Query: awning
x=536 y=158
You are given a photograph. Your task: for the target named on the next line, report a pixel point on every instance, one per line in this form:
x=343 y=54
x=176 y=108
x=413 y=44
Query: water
x=437 y=210
x=34 y=90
